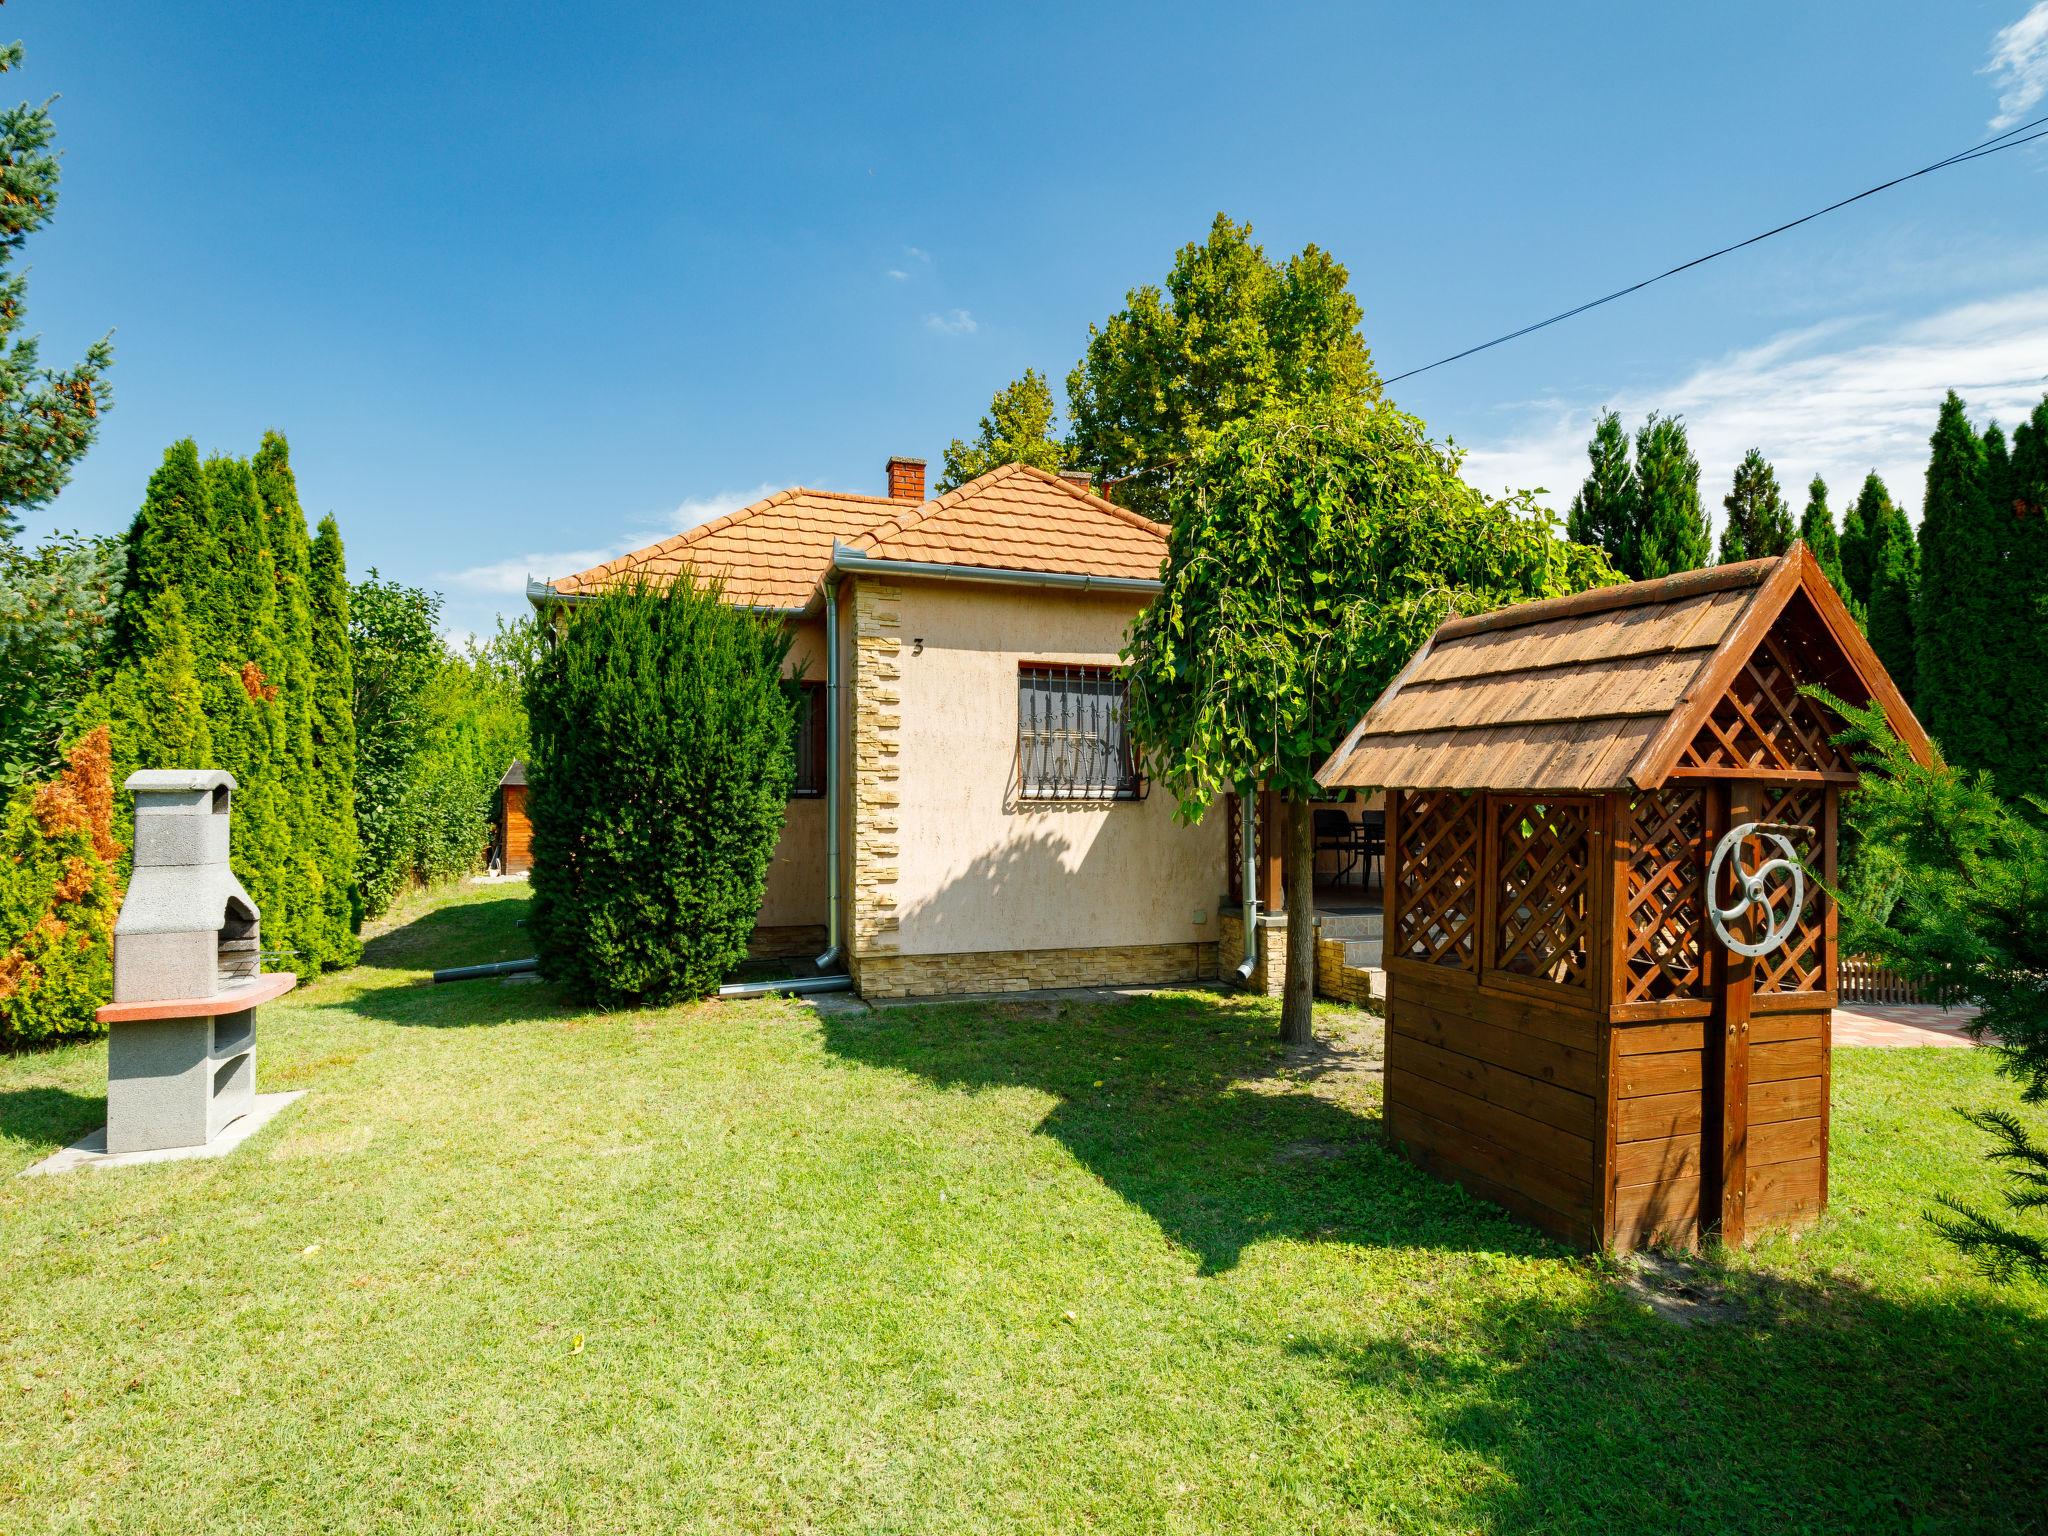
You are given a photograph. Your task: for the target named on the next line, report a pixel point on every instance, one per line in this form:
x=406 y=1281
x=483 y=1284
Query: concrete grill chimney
x=181 y=1048
x=906 y=478
x=1083 y=478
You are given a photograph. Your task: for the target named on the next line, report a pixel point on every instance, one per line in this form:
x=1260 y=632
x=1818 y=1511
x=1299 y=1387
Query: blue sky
x=526 y=285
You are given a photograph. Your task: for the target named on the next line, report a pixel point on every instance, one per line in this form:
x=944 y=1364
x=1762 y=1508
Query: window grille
x=809 y=733
x=1072 y=743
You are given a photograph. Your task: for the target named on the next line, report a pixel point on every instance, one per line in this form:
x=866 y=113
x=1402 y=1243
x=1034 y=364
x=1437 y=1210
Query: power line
x=1992 y=146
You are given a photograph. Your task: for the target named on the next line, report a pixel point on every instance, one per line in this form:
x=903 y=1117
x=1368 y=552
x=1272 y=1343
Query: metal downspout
x=834 y=949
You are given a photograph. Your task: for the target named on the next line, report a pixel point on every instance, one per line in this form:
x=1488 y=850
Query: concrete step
x=1352 y=925
x=1362 y=954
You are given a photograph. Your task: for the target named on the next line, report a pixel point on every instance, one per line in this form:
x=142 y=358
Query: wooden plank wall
x=1657 y=1161
x=518 y=830
x=1499 y=1094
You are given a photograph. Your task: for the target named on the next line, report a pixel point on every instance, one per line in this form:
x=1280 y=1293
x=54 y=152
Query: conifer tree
x=334 y=743
x=291 y=646
x=1817 y=529
x=243 y=695
x=155 y=705
x=1670 y=530
x=1605 y=508
x=1856 y=561
x=170 y=545
x=48 y=416
x=1960 y=611
x=2027 y=593
x=1759 y=523
x=1894 y=585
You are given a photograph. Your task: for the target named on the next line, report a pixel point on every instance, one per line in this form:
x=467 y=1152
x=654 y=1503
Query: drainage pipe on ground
x=495 y=968
x=1248 y=828
x=833 y=947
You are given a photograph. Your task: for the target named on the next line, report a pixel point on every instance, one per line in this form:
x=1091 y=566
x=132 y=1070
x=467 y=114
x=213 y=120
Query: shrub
x=58 y=899
x=660 y=766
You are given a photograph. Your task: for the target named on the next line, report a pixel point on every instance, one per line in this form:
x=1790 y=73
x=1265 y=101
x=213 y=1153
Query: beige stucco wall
x=970 y=868
x=796 y=877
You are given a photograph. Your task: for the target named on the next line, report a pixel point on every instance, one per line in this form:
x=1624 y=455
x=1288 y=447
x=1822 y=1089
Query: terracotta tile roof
x=769 y=555
x=1600 y=690
x=774 y=553
x=1023 y=519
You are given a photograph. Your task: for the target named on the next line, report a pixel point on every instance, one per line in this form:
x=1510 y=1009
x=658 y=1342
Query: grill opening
x=238 y=957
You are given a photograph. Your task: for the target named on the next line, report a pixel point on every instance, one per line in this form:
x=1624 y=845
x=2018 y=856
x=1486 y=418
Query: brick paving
x=1891 y=1025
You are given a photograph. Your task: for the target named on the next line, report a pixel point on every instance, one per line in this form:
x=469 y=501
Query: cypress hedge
x=661 y=764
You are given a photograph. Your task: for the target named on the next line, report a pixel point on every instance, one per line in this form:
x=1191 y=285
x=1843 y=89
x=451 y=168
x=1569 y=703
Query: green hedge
x=661 y=764
x=58 y=900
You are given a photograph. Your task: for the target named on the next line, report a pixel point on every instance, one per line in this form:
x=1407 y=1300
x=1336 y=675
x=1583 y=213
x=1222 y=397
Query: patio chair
x=1337 y=833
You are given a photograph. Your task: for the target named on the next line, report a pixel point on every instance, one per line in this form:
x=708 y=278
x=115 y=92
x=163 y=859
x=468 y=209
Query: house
x=968 y=812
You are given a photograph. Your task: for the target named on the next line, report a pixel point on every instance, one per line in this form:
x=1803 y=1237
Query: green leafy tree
x=337 y=841
x=48 y=416
x=1759 y=523
x=1670 y=531
x=1961 y=647
x=1017 y=429
x=1315 y=545
x=1231 y=331
x=662 y=761
x=1604 y=510
x=1817 y=531
x=1948 y=887
x=394 y=633
x=56 y=622
x=156 y=705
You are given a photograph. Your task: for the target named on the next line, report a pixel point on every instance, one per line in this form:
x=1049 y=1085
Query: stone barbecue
x=181 y=1048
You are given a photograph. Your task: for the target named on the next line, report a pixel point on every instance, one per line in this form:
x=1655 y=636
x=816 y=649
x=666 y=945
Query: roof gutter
x=861 y=563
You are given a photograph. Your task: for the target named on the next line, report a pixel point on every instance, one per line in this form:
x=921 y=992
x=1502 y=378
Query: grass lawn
x=744 y=1267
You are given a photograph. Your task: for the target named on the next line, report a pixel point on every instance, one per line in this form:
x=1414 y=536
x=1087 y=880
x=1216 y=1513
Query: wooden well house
x=1568 y=1034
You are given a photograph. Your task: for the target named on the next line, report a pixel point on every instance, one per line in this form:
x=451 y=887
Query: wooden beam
x=1634 y=594
x=1727 y=1073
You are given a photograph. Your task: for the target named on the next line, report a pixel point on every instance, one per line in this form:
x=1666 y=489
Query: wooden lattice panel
x=1436 y=879
x=1800 y=964
x=1665 y=915
x=1763 y=724
x=1544 y=878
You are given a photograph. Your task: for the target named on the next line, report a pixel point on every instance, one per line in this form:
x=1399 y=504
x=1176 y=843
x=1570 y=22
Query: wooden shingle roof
x=1608 y=689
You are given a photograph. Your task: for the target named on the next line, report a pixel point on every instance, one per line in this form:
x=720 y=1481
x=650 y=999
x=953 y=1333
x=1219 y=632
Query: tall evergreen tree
x=1961 y=658
x=48 y=416
x=334 y=740
x=2027 y=592
x=1817 y=529
x=1759 y=523
x=1670 y=531
x=170 y=546
x=1857 y=563
x=1605 y=508
x=155 y=706
x=1894 y=585
x=291 y=649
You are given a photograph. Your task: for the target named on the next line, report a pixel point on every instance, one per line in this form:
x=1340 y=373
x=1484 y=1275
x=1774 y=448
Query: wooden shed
x=515 y=832
x=1567 y=1033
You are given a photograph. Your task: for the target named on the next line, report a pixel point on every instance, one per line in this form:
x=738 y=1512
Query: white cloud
x=1838 y=400
x=923 y=258
x=954 y=322
x=508 y=577
x=2019 y=62
x=899 y=274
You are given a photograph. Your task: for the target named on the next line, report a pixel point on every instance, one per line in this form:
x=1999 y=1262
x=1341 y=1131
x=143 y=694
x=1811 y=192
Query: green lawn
x=745 y=1268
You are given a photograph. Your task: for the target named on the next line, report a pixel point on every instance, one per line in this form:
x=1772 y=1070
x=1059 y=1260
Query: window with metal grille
x=809 y=733
x=1071 y=737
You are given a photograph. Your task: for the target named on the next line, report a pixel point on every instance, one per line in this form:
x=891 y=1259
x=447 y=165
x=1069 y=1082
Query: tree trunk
x=1298 y=873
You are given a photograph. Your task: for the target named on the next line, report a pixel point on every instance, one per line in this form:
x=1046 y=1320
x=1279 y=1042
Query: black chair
x=1372 y=843
x=1337 y=833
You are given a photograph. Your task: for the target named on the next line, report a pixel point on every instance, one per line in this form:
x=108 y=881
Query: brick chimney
x=906 y=478
x=1084 y=478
